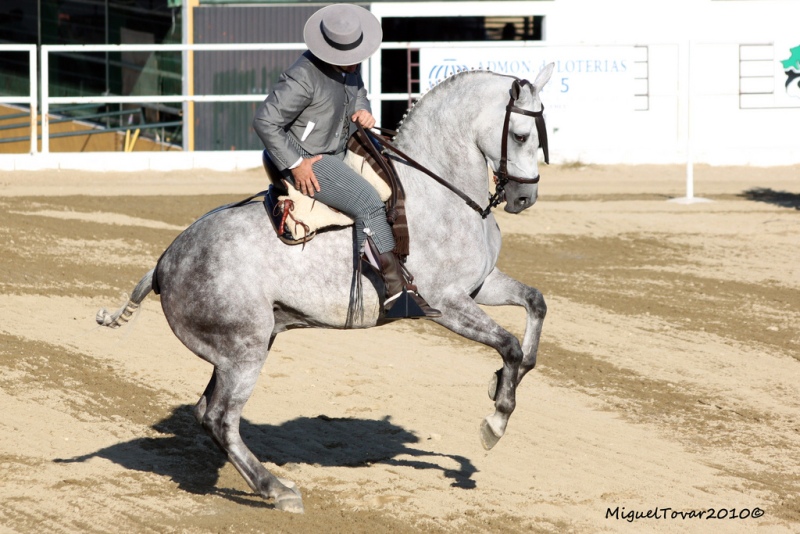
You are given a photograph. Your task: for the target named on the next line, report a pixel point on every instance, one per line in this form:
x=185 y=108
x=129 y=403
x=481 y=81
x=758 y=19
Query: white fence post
x=686 y=71
x=34 y=90
x=45 y=99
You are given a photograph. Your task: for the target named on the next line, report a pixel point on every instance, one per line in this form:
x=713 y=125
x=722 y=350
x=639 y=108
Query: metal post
x=45 y=99
x=686 y=68
x=188 y=74
x=35 y=94
x=408 y=74
x=689 y=155
x=108 y=74
x=34 y=86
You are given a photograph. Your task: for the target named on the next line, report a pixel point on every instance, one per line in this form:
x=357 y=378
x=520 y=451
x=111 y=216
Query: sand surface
x=668 y=380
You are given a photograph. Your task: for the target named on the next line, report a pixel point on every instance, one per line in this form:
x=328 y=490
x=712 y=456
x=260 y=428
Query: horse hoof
x=290 y=500
x=290 y=503
x=488 y=438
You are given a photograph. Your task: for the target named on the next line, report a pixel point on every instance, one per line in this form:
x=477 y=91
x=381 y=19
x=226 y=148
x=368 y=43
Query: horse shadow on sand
x=770 y=196
x=186 y=454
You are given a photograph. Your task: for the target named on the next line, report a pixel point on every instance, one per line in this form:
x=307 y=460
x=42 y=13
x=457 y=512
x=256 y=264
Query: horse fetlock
x=502 y=390
x=505 y=405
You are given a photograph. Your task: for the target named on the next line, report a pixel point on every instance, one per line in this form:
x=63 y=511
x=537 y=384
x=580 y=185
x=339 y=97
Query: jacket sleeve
x=289 y=97
x=362 y=102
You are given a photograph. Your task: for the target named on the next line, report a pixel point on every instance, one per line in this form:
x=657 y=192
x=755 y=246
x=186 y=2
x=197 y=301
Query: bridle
x=501 y=175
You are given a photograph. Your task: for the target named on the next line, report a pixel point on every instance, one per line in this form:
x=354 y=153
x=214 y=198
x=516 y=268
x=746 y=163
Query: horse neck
x=441 y=132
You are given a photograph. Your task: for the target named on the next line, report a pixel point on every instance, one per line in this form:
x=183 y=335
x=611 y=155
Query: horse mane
x=437 y=88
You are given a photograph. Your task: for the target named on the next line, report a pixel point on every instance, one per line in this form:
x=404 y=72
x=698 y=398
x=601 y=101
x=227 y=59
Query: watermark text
x=661 y=513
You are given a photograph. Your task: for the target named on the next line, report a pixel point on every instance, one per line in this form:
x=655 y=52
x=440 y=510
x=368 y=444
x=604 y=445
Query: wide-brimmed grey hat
x=343 y=34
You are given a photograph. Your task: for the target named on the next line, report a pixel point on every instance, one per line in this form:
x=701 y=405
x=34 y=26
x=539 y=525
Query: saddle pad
x=309 y=215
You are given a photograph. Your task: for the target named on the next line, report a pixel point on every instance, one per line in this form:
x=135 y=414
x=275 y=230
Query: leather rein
x=501 y=176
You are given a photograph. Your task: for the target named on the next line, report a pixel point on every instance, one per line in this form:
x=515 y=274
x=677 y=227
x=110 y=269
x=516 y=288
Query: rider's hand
x=304 y=178
x=364 y=118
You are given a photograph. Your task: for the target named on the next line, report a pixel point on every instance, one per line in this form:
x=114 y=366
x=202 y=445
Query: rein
x=501 y=176
x=408 y=160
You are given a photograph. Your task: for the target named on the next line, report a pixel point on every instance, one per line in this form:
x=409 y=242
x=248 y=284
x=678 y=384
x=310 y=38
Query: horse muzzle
x=520 y=203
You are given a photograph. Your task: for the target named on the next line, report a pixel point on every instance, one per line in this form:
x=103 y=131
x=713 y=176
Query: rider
x=305 y=124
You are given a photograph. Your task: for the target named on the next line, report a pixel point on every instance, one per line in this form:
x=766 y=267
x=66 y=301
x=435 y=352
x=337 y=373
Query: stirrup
x=405 y=306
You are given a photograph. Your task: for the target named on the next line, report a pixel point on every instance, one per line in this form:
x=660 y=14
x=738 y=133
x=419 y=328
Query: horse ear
x=543 y=77
x=521 y=96
x=516 y=89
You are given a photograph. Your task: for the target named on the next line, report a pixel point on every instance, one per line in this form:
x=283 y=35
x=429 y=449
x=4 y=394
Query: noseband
x=501 y=176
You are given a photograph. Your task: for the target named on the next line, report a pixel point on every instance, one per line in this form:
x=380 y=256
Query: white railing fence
x=372 y=75
x=659 y=132
x=48 y=100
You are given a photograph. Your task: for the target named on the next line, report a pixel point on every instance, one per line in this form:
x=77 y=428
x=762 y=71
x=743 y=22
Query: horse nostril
x=523 y=201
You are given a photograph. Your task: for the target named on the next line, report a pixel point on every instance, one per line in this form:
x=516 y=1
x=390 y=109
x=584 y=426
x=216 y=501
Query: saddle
x=297 y=217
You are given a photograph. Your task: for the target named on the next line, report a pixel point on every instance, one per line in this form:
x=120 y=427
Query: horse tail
x=124 y=314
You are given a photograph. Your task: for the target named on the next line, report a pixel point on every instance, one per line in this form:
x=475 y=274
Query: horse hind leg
x=228 y=391
x=202 y=403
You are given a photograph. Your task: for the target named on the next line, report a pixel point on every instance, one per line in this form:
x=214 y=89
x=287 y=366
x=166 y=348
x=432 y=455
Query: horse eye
x=520 y=138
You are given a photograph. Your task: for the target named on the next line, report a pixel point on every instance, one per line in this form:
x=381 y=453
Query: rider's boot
x=402 y=300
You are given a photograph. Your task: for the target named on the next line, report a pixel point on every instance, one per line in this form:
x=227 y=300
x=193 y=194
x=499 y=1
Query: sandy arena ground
x=668 y=378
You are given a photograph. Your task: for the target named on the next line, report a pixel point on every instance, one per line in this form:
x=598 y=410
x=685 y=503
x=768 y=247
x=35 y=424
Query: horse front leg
x=464 y=317
x=499 y=289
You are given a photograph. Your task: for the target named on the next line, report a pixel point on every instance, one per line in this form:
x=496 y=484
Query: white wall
x=719 y=130
x=702 y=78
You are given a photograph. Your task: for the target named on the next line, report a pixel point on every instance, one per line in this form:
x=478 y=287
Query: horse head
x=515 y=161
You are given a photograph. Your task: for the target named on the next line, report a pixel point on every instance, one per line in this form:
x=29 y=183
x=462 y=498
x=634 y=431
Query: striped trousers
x=341 y=188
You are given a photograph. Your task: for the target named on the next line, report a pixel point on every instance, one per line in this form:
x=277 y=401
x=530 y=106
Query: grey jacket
x=311 y=102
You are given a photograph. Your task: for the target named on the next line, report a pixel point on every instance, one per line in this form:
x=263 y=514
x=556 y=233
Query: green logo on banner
x=791 y=67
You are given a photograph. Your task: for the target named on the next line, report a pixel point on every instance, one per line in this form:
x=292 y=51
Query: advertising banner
x=583 y=76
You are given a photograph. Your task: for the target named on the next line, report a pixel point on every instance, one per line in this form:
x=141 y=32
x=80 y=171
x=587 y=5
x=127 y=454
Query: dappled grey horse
x=228 y=286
